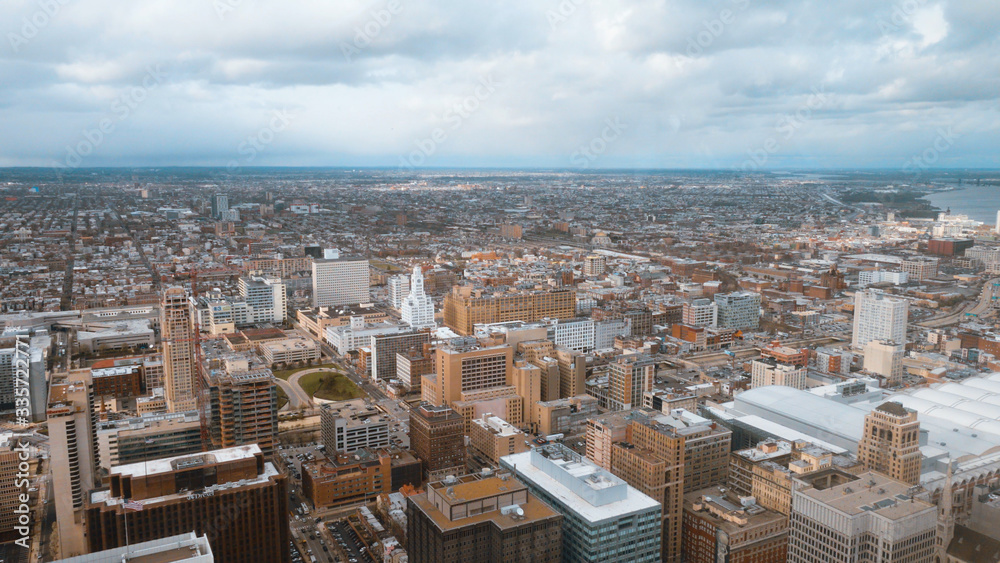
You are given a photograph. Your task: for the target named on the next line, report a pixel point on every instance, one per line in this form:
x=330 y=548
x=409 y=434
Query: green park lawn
x=330 y=386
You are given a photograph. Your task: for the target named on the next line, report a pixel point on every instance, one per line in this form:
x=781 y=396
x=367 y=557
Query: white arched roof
x=961 y=403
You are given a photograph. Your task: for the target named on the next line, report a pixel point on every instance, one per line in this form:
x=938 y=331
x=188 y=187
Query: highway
x=983 y=305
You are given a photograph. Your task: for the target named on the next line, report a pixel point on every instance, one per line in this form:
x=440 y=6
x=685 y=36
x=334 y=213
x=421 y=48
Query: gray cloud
x=699 y=83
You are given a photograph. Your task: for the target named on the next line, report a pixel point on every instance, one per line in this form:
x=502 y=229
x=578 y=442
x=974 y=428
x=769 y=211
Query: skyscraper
x=437 y=436
x=220 y=204
x=340 y=281
x=891 y=442
x=630 y=377
x=177 y=336
x=879 y=317
x=233 y=496
x=739 y=310
x=494 y=519
x=848 y=518
x=604 y=519
x=399 y=288
x=417 y=309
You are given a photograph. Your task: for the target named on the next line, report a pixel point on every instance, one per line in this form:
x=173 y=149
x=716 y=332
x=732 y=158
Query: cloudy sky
x=554 y=83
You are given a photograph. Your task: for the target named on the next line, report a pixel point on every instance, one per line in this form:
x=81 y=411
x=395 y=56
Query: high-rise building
x=347 y=426
x=493 y=437
x=466 y=307
x=466 y=370
x=885 y=358
x=265 y=298
x=132 y=440
x=340 y=281
x=494 y=519
x=9 y=491
x=630 y=377
x=700 y=312
x=769 y=371
x=739 y=310
x=412 y=365
x=177 y=335
x=437 y=436
x=572 y=373
x=721 y=527
x=869 y=517
x=399 y=288
x=594 y=265
x=384 y=348
x=220 y=204
x=244 y=406
x=233 y=496
x=891 y=442
x=878 y=316
x=417 y=308
x=604 y=519
x=73 y=460
x=182 y=548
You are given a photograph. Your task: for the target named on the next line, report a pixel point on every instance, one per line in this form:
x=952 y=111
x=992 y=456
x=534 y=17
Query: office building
x=630 y=377
x=604 y=519
x=265 y=298
x=417 y=308
x=700 y=312
x=834 y=361
x=594 y=265
x=891 y=442
x=493 y=437
x=878 y=316
x=232 y=496
x=399 y=288
x=347 y=426
x=739 y=310
x=885 y=358
x=920 y=268
x=243 y=406
x=345 y=478
x=742 y=463
x=317 y=320
x=721 y=527
x=872 y=277
x=466 y=370
x=572 y=373
x=131 y=440
x=177 y=335
x=72 y=451
x=466 y=307
x=182 y=548
x=769 y=371
x=384 y=348
x=493 y=519
x=412 y=365
x=220 y=204
x=437 y=436
x=340 y=281
x=869 y=517
x=358 y=334
x=9 y=491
